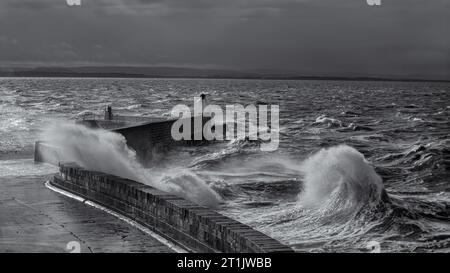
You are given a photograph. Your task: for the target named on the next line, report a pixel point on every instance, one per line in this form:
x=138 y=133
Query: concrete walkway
x=36 y=219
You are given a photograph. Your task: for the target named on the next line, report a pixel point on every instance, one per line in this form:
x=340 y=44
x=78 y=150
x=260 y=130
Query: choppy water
x=342 y=145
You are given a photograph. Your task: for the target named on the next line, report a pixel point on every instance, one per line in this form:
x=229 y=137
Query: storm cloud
x=401 y=38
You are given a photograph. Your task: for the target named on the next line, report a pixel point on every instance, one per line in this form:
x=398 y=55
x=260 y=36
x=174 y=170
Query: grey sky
x=401 y=38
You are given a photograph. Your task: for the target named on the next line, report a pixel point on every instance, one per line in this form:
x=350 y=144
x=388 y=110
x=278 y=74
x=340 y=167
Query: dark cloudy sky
x=407 y=38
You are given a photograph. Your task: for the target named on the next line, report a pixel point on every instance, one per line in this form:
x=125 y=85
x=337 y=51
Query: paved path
x=36 y=219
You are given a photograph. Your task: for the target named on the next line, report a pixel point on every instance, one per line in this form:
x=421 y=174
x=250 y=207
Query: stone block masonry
x=194 y=227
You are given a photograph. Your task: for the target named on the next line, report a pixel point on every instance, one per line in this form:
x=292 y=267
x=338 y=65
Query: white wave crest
x=339 y=175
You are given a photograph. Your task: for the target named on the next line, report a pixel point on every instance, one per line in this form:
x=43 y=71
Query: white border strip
x=129 y=221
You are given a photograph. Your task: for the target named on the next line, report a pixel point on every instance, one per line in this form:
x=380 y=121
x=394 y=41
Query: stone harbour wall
x=195 y=227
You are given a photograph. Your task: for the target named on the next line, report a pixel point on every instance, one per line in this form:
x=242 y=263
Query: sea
x=361 y=165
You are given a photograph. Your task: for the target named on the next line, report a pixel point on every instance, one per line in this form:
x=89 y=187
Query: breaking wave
x=339 y=175
x=332 y=123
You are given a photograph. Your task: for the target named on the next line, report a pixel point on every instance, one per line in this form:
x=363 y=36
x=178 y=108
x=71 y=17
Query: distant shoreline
x=182 y=73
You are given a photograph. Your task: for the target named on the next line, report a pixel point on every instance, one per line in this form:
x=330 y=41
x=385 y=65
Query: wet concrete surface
x=36 y=219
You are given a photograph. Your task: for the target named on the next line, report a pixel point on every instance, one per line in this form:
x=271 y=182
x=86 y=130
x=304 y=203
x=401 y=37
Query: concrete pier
x=36 y=219
x=147 y=136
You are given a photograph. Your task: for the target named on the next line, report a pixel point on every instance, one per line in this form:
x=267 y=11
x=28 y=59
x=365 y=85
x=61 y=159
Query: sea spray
x=332 y=179
x=184 y=182
x=339 y=176
x=106 y=151
x=98 y=150
x=341 y=198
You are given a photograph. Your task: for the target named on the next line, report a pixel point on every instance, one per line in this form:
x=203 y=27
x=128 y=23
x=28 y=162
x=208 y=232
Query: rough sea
x=360 y=164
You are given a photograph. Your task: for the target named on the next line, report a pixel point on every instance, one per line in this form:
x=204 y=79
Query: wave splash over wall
x=106 y=151
x=338 y=177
